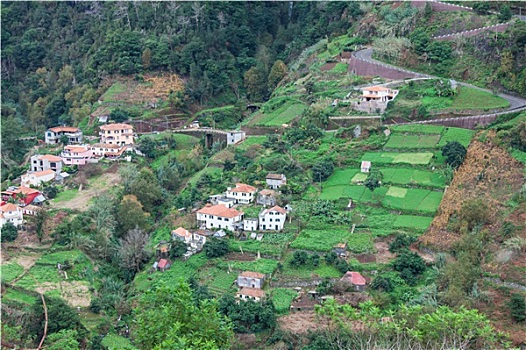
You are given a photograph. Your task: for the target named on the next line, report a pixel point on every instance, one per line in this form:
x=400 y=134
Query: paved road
x=515 y=102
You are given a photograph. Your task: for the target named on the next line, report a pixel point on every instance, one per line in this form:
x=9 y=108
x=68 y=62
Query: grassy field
x=66 y=195
x=262 y=265
x=18 y=296
x=340 y=68
x=117 y=342
x=410 y=176
x=412 y=141
x=282 y=298
x=116 y=88
x=11 y=271
x=413 y=221
x=462 y=136
x=469 y=98
x=283 y=114
x=320 y=240
x=422 y=158
x=341 y=177
x=418 y=129
x=252 y=140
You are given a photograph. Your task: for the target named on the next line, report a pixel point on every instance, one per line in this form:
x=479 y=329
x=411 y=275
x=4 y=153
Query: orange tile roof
x=220 y=210
x=76 y=149
x=116 y=126
x=354 y=277
x=243 y=188
x=64 y=129
x=376 y=88
x=51 y=158
x=9 y=207
x=26 y=190
x=276 y=208
x=267 y=192
x=181 y=232
x=106 y=145
x=43 y=173
x=252 y=292
x=252 y=274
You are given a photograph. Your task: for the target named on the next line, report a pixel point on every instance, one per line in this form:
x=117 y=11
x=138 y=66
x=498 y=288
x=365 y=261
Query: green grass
x=21 y=297
x=410 y=176
x=282 y=298
x=42 y=273
x=266 y=266
x=282 y=115
x=341 y=177
x=470 y=98
x=217 y=279
x=60 y=257
x=325 y=240
x=208 y=170
x=66 y=195
x=412 y=141
x=179 y=269
x=413 y=221
x=340 y=68
x=422 y=158
x=463 y=136
x=117 y=342
x=11 y=271
x=307 y=271
x=418 y=129
x=116 y=88
x=252 y=140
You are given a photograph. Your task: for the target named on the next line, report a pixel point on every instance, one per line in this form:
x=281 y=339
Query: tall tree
x=133 y=253
x=167 y=318
x=131 y=215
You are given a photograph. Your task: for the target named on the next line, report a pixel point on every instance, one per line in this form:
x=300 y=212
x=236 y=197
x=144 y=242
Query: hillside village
x=364 y=192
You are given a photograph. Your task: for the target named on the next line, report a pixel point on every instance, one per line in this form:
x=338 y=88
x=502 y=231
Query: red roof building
x=355 y=279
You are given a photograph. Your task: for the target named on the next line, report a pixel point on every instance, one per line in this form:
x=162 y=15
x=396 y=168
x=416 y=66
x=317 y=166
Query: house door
x=264 y=227
x=277 y=227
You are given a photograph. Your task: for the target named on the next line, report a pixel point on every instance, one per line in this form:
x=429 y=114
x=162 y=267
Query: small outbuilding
x=366 y=166
x=355 y=279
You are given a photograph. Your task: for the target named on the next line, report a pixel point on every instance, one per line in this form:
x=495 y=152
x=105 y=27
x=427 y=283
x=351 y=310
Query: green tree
x=482 y=8
x=184 y=325
x=256 y=83
x=147 y=189
x=410 y=265
x=216 y=247
x=131 y=215
x=373 y=180
x=9 y=232
x=299 y=258
x=132 y=252
x=322 y=170
x=66 y=339
x=178 y=249
x=474 y=212
x=517 y=307
x=64 y=139
x=455 y=153
x=40 y=221
x=277 y=73
x=505 y=13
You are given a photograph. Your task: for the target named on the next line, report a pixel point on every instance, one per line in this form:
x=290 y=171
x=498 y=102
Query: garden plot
x=413 y=221
x=412 y=199
x=282 y=115
x=418 y=129
x=282 y=298
x=463 y=136
x=417 y=158
x=398 y=141
x=325 y=240
x=410 y=176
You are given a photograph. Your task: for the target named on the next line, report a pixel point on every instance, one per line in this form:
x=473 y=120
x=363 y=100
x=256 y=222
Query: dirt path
x=82 y=199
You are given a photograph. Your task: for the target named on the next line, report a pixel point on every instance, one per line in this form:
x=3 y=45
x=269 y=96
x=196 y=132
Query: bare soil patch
x=300 y=322
x=82 y=200
x=383 y=254
x=240 y=257
x=328 y=66
x=352 y=298
x=75 y=293
x=366 y=258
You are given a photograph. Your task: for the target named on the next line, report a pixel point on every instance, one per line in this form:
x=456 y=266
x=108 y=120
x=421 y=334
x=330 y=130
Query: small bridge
x=210 y=135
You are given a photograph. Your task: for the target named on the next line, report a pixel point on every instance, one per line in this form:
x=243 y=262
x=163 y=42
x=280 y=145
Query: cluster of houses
x=115 y=139
x=17 y=202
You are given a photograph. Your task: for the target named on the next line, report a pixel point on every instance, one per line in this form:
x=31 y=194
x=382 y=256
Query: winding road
x=366 y=56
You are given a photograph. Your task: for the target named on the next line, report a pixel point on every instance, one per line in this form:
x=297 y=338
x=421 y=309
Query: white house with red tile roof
x=104 y=149
x=37 y=178
x=12 y=213
x=242 y=193
x=117 y=134
x=275 y=181
x=76 y=155
x=355 y=279
x=272 y=219
x=218 y=216
x=250 y=294
x=45 y=162
x=53 y=135
x=182 y=234
x=251 y=279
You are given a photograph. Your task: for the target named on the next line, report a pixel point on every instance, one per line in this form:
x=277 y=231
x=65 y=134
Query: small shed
x=366 y=166
x=220 y=234
x=340 y=249
x=354 y=279
x=251 y=279
x=163 y=265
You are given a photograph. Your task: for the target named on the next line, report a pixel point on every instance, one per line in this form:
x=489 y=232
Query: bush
x=454 y=153
x=9 y=232
x=401 y=242
x=410 y=265
x=215 y=247
x=517 y=307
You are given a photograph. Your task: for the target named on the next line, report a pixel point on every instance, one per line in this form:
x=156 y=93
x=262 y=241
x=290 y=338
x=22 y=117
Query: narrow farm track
x=366 y=57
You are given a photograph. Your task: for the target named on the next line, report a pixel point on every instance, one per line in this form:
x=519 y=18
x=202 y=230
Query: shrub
x=517 y=307
x=9 y=232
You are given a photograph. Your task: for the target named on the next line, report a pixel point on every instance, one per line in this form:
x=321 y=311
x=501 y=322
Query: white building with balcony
x=218 y=216
x=272 y=219
x=46 y=162
x=76 y=155
x=11 y=213
x=242 y=193
x=117 y=134
x=53 y=135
